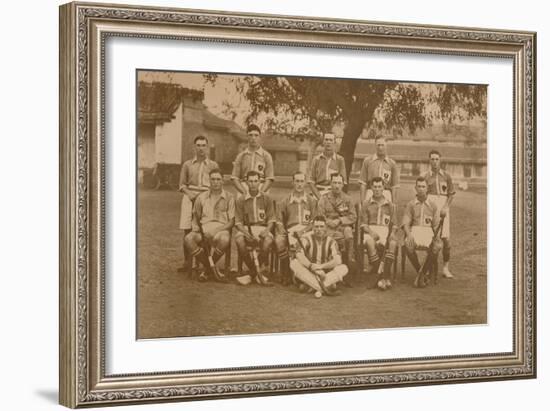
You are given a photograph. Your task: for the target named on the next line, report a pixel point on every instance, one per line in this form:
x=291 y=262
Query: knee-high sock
x=200 y=255
x=285 y=263
x=414 y=259
x=247 y=259
x=446 y=254
x=388 y=263
x=217 y=254
x=186 y=254
x=350 y=249
x=374 y=261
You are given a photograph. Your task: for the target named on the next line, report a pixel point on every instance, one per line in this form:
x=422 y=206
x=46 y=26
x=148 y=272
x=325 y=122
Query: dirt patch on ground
x=170 y=304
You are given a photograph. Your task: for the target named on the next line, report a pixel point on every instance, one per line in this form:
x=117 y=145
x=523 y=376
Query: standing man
x=253 y=158
x=379 y=165
x=420 y=223
x=319 y=263
x=324 y=165
x=213 y=217
x=339 y=211
x=194 y=179
x=441 y=191
x=254 y=221
x=294 y=215
x=376 y=215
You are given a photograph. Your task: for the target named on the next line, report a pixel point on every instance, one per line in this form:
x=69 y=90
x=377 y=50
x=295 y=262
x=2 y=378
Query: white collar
x=440 y=172
x=195 y=159
x=385 y=201
x=333 y=157
x=259 y=151
x=295 y=199
x=375 y=157
x=249 y=196
x=223 y=194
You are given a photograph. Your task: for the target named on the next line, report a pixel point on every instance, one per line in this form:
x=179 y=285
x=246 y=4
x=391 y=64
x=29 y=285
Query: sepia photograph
x=285 y=204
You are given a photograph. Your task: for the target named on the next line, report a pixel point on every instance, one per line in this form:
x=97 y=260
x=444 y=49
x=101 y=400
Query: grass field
x=171 y=305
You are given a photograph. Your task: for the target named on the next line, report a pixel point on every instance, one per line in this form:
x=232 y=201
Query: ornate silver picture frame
x=85 y=155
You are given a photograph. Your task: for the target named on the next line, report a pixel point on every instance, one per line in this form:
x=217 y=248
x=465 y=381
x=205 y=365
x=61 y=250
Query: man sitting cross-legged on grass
x=254 y=221
x=294 y=213
x=420 y=223
x=318 y=262
x=213 y=217
x=377 y=215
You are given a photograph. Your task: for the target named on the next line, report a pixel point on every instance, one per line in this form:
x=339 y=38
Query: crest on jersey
x=307 y=216
x=342 y=208
x=444 y=188
x=428 y=220
x=386 y=219
x=261 y=214
x=260 y=167
x=386 y=175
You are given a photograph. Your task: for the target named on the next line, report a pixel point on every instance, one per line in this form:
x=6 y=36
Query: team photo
x=276 y=204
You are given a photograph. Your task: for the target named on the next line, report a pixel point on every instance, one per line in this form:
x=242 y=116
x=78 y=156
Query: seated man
x=294 y=215
x=378 y=216
x=421 y=223
x=318 y=262
x=339 y=211
x=254 y=221
x=213 y=219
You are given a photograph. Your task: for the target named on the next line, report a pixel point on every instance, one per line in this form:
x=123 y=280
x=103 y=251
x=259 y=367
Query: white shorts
x=422 y=235
x=381 y=230
x=256 y=230
x=186 y=213
x=387 y=195
x=440 y=202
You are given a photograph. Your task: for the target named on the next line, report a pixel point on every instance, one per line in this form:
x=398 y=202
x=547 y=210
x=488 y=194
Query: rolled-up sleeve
x=363 y=174
x=197 y=214
x=269 y=171
x=342 y=168
x=239 y=210
x=394 y=175
x=230 y=207
x=408 y=216
x=270 y=210
x=184 y=175
x=312 y=174
x=236 y=174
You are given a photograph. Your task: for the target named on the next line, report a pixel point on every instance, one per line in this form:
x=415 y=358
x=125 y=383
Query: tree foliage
x=307 y=106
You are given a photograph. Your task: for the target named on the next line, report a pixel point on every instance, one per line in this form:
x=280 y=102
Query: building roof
x=158 y=101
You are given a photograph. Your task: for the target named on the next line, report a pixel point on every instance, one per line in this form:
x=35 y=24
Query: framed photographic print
x=259 y=204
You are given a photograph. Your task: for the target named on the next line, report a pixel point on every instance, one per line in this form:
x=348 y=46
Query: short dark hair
x=320 y=217
x=200 y=137
x=252 y=173
x=377 y=180
x=215 y=171
x=420 y=180
x=336 y=175
x=296 y=173
x=434 y=152
x=378 y=137
x=253 y=127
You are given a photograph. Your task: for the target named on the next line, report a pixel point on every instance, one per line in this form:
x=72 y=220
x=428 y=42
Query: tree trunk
x=352 y=132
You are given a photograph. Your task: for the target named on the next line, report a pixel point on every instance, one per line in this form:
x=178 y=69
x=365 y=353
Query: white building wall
x=168 y=139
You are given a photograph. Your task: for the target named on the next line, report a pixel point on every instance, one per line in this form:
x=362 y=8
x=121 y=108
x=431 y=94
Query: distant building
x=169 y=118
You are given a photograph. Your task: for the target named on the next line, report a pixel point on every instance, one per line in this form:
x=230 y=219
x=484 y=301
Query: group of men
x=311 y=234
